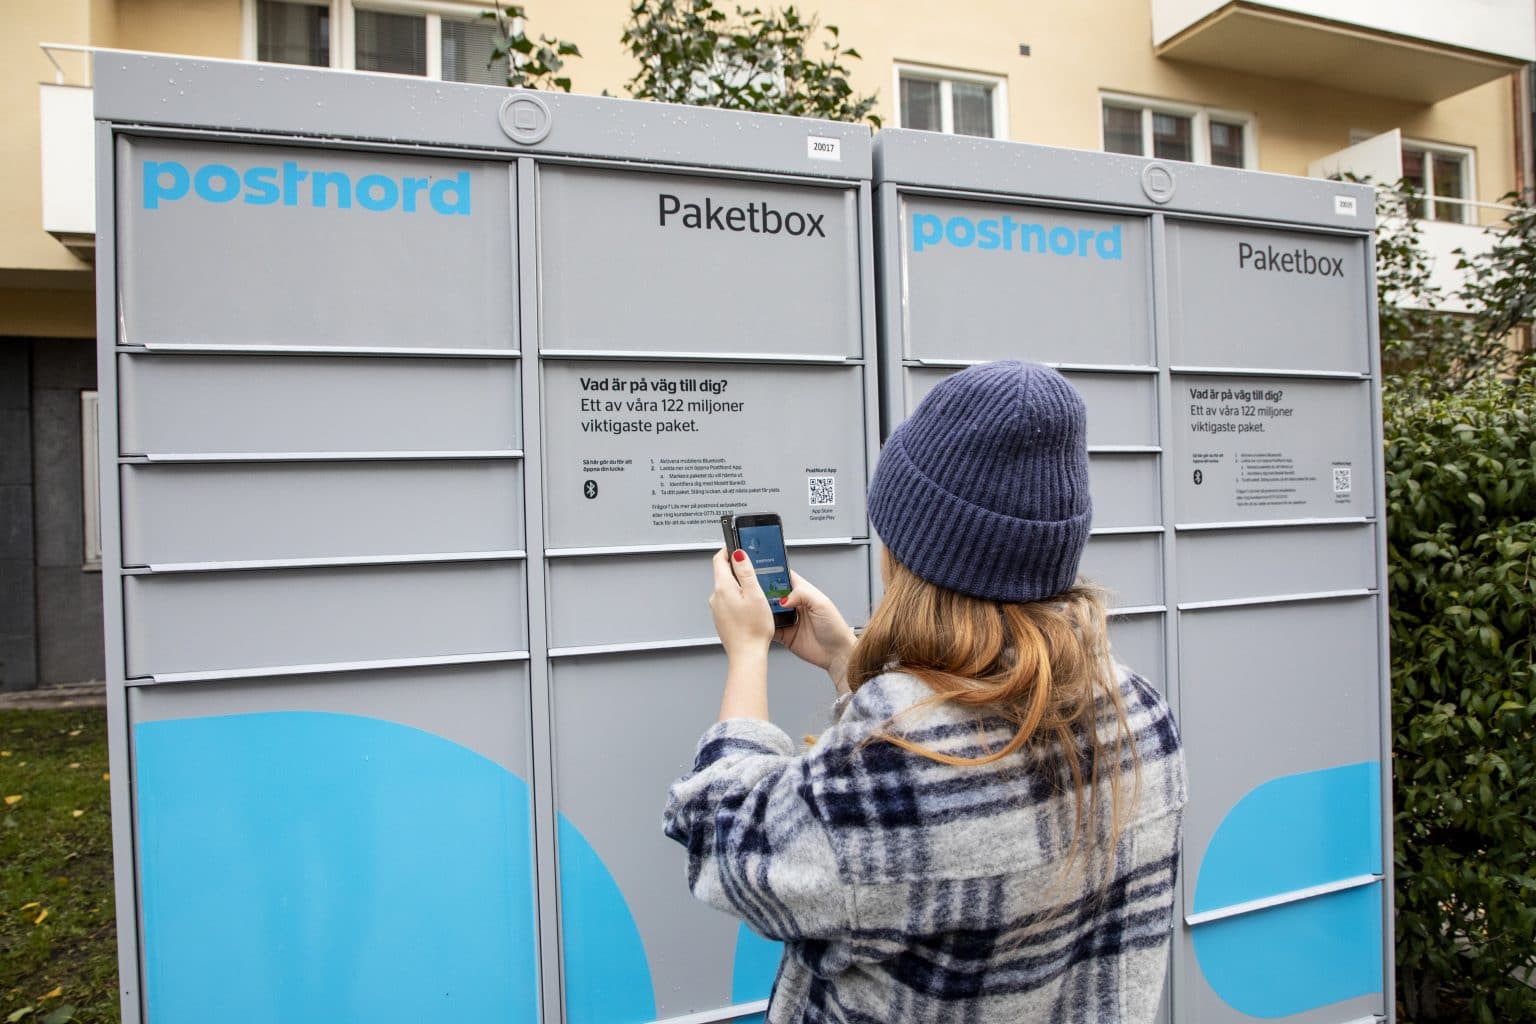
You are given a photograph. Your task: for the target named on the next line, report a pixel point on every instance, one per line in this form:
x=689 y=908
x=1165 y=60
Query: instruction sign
x=654 y=453
x=1252 y=448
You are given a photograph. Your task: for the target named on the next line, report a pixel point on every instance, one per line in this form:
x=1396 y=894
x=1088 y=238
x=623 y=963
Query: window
x=466 y=50
x=90 y=483
x=1174 y=132
x=432 y=39
x=1228 y=148
x=293 y=33
x=1442 y=175
x=959 y=103
x=384 y=41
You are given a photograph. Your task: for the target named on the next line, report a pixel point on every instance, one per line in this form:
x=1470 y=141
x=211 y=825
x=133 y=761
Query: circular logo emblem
x=1199 y=478
x=525 y=118
x=1157 y=182
x=589 y=489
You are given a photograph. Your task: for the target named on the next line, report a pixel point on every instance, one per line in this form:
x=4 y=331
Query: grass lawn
x=58 y=937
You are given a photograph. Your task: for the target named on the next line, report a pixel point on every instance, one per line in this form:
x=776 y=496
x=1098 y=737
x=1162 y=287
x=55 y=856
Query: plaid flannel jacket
x=908 y=891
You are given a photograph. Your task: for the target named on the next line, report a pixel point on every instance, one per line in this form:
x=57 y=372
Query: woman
x=989 y=830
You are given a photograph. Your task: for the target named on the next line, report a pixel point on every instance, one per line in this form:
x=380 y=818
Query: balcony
x=68 y=146
x=1449 y=226
x=1419 y=51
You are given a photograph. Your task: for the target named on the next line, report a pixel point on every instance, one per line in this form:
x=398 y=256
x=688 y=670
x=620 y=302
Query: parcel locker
x=424 y=402
x=1219 y=326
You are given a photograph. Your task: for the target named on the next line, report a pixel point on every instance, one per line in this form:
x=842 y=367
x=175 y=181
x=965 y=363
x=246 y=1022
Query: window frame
x=946 y=77
x=343 y=41
x=1467 y=201
x=90 y=479
x=1200 y=125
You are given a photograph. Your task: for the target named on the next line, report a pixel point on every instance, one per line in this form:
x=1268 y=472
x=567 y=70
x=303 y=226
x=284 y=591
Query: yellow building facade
x=1284 y=86
x=1047 y=72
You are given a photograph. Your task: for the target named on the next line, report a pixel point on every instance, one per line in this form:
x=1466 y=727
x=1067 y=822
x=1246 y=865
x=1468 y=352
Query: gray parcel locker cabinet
x=1220 y=325
x=705 y=341
x=422 y=402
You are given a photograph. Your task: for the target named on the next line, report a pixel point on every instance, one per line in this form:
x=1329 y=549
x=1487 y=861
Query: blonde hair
x=1042 y=666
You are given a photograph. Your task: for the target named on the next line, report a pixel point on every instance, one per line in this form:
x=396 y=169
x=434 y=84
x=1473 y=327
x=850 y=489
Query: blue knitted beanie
x=984 y=488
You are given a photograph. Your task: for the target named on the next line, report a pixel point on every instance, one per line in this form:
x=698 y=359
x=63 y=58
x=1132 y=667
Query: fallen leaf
x=75 y=814
x=74 y=764
x=12 y=801
x=58 y=991
x=24 y=1012
x=29 y=906
x=63 y=1015
x=74 y=732
x=42 y=915
x=5 y=753
x=106 y=776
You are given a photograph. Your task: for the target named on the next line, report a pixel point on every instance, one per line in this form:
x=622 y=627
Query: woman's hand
x=820 y=635
x=745 y=625
x=742 y=617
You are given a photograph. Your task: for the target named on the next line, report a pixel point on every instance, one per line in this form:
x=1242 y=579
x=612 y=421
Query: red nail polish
x=740 y=555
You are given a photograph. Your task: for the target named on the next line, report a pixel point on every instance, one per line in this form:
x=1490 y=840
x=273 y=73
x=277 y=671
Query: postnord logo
x=288 y=184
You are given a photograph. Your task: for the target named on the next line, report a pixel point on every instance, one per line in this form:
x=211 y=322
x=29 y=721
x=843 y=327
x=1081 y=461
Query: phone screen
x=764 y=545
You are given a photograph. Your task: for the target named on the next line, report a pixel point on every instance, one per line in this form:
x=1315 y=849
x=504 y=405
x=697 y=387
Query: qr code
x=1341 y=480
x=823 y=491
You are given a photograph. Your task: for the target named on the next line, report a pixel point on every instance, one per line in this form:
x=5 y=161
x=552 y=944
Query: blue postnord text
x=169 y=181
x=1009 y=235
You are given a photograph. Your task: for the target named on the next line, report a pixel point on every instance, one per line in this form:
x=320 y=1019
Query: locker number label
x=819 y=147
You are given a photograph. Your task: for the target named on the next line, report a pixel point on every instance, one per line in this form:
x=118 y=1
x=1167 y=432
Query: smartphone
x=761 y=536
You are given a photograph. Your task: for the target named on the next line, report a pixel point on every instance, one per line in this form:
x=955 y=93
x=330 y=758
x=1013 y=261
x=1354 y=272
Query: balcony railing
x=79 y=58
x=1445 y=241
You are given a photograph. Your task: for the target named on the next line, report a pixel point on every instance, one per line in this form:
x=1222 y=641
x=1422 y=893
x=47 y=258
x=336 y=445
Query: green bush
x=1461 y=505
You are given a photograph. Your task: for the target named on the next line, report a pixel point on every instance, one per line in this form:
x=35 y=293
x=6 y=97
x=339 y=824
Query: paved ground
x=72 y=695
